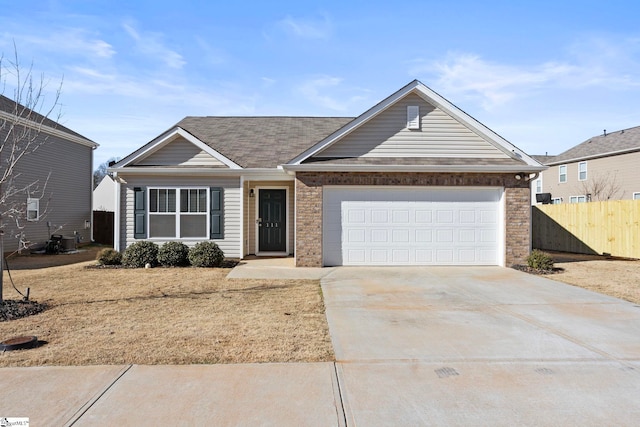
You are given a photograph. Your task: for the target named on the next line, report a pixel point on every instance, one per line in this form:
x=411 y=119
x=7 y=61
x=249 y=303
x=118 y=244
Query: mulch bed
x=16 y=309
x=530 y=270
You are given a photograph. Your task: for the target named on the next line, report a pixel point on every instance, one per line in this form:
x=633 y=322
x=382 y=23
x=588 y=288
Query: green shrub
x=140 y=253
x=109 y=256
x=540 y=261
x=206 y=254
x=173 y=254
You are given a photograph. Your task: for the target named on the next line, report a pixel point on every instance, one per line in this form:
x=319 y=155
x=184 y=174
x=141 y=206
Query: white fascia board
x=414 y=168
x=254 y=174
x=49 y=130
x=165 y=139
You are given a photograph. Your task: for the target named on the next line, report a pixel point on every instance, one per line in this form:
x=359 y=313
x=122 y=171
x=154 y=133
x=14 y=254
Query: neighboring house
x=55 y=181
x=603 y=167
x=104 y=195
x=412 y=181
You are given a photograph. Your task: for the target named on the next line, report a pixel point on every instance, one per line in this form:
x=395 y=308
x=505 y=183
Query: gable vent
x=413 y=117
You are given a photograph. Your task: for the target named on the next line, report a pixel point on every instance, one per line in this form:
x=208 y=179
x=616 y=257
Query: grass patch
x=166 y=316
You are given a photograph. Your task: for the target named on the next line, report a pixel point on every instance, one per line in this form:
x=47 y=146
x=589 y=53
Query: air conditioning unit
x=544 y=198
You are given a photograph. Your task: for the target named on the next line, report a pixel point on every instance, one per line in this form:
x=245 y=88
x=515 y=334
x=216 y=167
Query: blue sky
x=546 y=75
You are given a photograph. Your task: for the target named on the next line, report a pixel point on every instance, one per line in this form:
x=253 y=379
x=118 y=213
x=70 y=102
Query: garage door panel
x=384 y=225
x=424 y=216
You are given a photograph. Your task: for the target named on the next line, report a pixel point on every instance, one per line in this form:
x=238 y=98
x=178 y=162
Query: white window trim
x=585 y=171
x=560 y=174
x=556 y=200
x=31 y=201
x=636 y=196
x=536 y=182
x=177 y=213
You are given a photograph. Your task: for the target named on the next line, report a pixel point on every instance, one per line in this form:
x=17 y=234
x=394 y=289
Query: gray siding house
x=412 y=181
x=53 y=184
x=604 y=167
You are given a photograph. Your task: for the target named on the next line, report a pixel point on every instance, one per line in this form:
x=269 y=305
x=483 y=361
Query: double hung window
x=178 y=212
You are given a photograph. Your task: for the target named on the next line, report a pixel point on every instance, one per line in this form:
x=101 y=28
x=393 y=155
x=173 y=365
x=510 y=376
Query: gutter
x=414 y=168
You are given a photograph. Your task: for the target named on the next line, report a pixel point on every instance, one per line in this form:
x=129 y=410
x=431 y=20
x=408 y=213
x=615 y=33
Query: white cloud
x=316 y=91
x=590 y=63
x=307 y=28
x=70 y=41
x=496 y=84
x=328 y=92
x=150 y=44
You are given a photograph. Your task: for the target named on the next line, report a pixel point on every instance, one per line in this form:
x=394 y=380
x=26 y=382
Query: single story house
x=601 y=168
x=412 y=181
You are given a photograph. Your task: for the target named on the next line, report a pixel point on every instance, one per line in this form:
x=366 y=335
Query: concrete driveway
x=480 y=346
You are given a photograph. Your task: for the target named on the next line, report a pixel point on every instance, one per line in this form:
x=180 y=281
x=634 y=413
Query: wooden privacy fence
x=103 y=227
x=611 y=227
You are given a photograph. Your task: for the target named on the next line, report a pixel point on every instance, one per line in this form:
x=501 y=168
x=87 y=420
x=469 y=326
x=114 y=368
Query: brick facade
x=309 y=187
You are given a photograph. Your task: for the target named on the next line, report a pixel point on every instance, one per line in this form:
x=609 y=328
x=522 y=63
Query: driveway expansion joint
x=83 y=410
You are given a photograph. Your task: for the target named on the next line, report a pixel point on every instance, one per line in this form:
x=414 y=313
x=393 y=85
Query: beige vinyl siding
x=232 y=221
x=386 y=135
x=182 y=153
x=621 y=169
x=59 y=173
x=250 y=206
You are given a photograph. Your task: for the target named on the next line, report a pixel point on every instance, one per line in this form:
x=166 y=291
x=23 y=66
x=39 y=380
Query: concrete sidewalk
x=276 y=268
x=291 y=394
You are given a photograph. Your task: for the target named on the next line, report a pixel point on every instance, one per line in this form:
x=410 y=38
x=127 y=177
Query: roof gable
x=179 y=148
x=445 y=132
x=387 y=135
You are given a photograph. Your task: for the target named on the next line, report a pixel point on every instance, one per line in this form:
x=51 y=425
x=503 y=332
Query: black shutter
x=140 y=212
x=217 y=214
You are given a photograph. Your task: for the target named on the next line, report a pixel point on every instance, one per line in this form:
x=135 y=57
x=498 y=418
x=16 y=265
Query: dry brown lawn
x=616 y=277
x=165 y=316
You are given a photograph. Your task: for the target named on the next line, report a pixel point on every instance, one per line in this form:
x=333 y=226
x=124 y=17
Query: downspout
x=535 y=176
x=91 y=198
x=242 y=199
x=116 y=216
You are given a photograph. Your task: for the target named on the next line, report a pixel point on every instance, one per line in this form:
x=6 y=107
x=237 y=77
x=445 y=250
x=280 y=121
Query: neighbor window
x=556 y=201
x=563 y=173
x=578 y=199
x=539 y=185
x=636 y=196
x=178 y=212
x=33 y=209
x=582 y=171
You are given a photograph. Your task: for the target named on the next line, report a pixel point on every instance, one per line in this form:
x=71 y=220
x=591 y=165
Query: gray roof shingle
x=261 y=142
x=601 y=145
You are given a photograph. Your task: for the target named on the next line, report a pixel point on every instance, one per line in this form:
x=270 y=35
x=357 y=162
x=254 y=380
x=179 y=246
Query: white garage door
x=411 y=226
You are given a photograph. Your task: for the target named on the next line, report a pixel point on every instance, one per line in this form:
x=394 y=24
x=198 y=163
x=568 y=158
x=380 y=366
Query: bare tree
x=602 y=186
x=22 y=117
